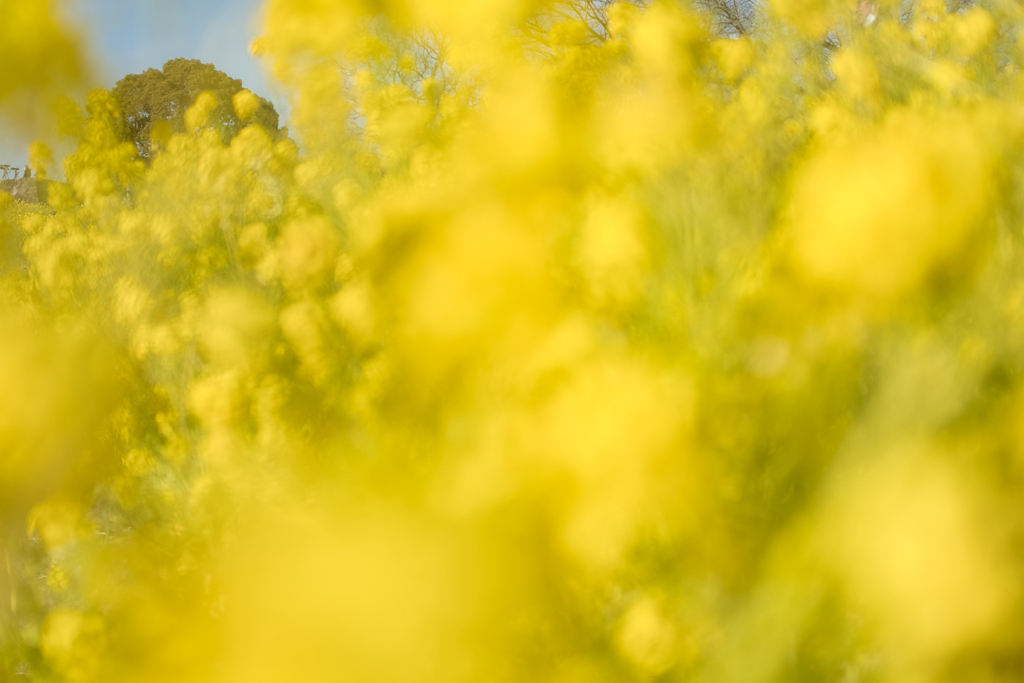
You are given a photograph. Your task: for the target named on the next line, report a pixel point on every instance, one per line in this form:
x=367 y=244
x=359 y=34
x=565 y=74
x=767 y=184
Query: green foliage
x=153 y=103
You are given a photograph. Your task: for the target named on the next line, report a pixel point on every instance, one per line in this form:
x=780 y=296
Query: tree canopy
x=154 y=96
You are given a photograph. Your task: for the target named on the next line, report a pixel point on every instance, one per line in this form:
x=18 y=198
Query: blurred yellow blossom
x=570 y=342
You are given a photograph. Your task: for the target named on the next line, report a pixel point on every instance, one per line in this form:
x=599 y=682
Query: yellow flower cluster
x=570 y=342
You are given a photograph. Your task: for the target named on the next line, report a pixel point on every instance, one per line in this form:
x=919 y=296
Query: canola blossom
x=561 y=342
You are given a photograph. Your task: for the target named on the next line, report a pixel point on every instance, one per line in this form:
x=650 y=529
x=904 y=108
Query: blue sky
x=130 y=36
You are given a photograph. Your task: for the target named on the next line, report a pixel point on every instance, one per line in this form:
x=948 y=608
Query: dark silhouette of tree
x=154 y=96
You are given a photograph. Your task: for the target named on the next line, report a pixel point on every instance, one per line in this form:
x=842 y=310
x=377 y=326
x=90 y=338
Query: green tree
x=154 y=96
